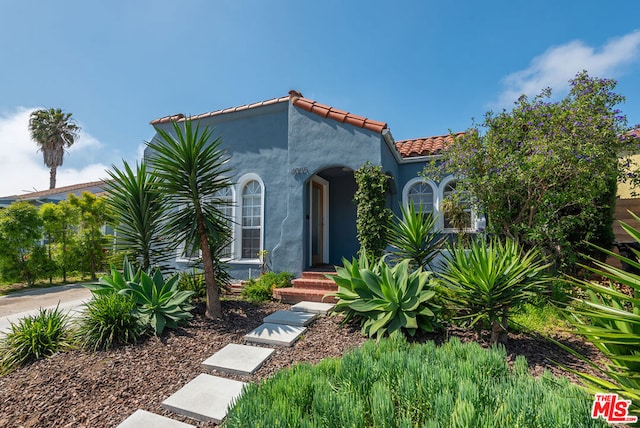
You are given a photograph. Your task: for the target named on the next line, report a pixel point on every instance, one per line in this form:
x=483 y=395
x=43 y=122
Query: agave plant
x=414 y=237
x=387 y=299
x=488 y=281
x=159 y=303
x=610 y=319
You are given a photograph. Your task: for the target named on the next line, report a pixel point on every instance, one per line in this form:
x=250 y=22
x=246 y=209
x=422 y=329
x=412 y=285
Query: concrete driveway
x=18 y=305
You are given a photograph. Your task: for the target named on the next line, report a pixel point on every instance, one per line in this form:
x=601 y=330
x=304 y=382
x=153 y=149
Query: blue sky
x=424 y=67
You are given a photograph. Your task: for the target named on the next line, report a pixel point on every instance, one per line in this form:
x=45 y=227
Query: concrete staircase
x=313 y=286
x=208 y=397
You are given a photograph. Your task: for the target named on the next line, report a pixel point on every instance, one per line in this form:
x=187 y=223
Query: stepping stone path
x=208 y=397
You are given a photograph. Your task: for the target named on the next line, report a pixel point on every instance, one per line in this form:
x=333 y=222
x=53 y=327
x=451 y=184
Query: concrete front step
x=205 y=398
x=312 y=307
x=275 y=334
x=238 y=359
x=295 y=318
x=142 y=418
x=294 y=295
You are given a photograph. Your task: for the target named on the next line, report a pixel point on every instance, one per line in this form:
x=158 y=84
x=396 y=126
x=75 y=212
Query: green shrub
x=393 y=384
x=490 y=280
x=386 y=299
x=34 y=337
x=610 y=319
x=261 y=289
x=108 y=320
x=159 y=304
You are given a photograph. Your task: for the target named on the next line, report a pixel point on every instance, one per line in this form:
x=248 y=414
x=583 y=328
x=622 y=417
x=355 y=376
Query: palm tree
x=191 y=168
x=53 y=131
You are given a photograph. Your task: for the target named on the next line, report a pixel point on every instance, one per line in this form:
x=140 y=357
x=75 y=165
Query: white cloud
x=559 y=64
x=21 y=165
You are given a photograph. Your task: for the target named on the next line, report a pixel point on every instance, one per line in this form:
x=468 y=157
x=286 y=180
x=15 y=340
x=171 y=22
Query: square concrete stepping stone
x=275 y=334
x=238 y=359
x=142 y=418
x=312 y=307
x=205 y=398
x=301 y=319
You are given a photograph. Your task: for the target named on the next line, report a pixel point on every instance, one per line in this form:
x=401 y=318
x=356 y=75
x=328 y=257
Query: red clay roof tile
x=425 y=146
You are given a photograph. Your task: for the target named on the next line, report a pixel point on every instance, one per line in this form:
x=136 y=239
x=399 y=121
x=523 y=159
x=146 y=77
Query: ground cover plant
x=395 y=384
x=487 y=282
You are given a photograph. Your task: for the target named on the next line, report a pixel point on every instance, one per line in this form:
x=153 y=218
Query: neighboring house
x=292 y=161
x=56 y=195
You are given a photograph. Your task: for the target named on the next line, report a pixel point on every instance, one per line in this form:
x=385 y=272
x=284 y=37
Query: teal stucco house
x=293 y=161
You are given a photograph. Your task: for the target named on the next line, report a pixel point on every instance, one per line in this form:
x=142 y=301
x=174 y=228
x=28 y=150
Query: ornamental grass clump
x=487 y=282
x=385 y=299
x=35 y=337
x=392 y=383
x=108 y=320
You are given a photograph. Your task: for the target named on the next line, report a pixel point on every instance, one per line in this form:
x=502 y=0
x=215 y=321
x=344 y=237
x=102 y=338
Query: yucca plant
x=387 y=299
x=34 y=337
x=414 y=237
x=610 y=319
x=490 y=280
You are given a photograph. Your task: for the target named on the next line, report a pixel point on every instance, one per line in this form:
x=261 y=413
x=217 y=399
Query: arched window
x=421 y=194
x=251 y=222
x=457 y=215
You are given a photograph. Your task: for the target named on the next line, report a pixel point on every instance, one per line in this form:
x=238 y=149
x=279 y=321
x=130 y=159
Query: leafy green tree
x=53 y=131
x=137 y=206
x=191 y=166
x=545 y=172
x=94 y=214
x=20 y=230
x=373 y=218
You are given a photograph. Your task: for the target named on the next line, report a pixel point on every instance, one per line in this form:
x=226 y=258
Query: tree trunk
x=52 y=177
x=214 y=308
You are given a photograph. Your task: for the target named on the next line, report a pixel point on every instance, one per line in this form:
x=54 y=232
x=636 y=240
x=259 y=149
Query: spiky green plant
x=108 y=320
x=387 y=299
x=610 y=319
x=414 y=237
x=488 y=281
x=34 y=337
x=138 y=213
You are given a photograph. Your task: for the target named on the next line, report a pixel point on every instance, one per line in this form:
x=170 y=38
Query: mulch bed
x=101 y=389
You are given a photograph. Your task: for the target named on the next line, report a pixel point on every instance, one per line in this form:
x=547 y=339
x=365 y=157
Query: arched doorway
x=331 y=217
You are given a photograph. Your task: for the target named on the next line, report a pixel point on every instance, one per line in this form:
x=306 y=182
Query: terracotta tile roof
x=297 y=100
x=180 y=117
x=425 y=146
x=62 y=190
x=333 y=113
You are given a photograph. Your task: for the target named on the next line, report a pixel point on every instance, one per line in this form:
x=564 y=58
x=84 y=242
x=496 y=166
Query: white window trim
x=242 y=181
